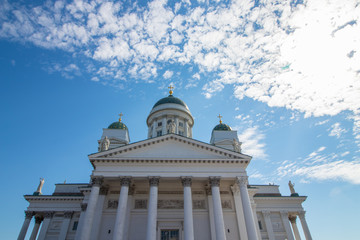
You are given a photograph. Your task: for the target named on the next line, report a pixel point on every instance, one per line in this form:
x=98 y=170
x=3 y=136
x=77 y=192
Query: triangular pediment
x=170 y=146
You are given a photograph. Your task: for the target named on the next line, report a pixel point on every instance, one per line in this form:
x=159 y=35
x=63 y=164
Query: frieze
x=199 y=204
x=226 y=204
x=68 y=214
x=112 y=204
x=171 y=192
x=140 y=204
x=170 y=204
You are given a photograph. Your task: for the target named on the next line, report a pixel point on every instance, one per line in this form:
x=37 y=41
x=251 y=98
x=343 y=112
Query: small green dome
x=118 y=125
x=222 y=127
x=170 y=99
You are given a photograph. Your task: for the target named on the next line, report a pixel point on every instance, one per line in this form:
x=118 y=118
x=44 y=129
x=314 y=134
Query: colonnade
x=289 y=222
x=244 y=213
x=43 y=219
x=242 y=204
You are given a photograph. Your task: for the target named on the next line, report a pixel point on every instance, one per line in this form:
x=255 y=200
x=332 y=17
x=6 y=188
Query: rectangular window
x=260 y=225
x=181 y=124
x=158 y=133
x=170 y=234
x=74 y=228
x=159 y=124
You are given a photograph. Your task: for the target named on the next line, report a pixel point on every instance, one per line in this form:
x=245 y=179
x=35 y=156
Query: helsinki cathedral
x=166 y=187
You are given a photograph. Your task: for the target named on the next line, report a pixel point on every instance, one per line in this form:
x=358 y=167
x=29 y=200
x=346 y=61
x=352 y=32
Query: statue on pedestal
x=38 y=190
x=236 y=145
x=171 y=127
x=105 y=143
x=292 y=189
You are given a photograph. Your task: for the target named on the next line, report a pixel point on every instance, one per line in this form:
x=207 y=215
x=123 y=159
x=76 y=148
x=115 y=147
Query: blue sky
x=285 y=74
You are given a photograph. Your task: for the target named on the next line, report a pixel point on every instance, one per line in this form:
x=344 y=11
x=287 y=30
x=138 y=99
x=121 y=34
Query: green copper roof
x=118 y=125
x=170 y=99
x=222 y=127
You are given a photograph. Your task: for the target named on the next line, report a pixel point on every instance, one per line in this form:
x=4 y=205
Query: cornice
x=171 y=161
x=30 y=198
x=190 y=141
x=282 y=198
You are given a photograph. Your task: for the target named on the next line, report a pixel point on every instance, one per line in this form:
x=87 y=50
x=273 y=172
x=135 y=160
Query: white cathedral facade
x=167 y=187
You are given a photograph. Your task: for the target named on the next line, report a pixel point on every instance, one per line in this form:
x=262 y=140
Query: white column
x=248 y=214
x=152 y=208
x=38 y=220
x=188 y=209
x=239 y=212
x=268 y=225
x=211 y=213
x=256 y=223
x=164 y=132
x=81 y=221
x=294 y=227
x=286 y=223
x=121 y=210
x=177 y=125
x=45 y=225
x=186 y=128
x=65 y=225
x=98 y=213
x=304 y=225
x=218 y=214
x=128 y=211
x=91 y=206
x=154 y=128
x=25 y=226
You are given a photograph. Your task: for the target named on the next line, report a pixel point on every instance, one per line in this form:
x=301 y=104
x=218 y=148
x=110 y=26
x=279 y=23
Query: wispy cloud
x=303 y=56
x=253 y=143
x=336 y=130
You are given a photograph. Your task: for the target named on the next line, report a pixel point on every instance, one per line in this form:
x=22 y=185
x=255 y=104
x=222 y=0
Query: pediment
x=170 y=146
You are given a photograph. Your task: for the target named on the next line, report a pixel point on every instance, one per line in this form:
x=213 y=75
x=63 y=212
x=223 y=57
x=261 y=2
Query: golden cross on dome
x=171 y=89
x=220 y=118
x=120 y=116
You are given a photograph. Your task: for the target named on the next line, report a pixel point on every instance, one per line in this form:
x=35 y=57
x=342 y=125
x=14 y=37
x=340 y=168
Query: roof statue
x=237 y=146
x=38 y=190
x=292 y=189
x=105 y=144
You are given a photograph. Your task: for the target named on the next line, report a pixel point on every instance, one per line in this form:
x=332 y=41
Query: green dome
x=170 y=99
x=118 y=125
x=222 y=127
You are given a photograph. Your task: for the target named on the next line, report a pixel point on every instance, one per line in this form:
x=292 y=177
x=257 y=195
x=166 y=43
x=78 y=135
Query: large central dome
x=170 y=115
x=170 y=99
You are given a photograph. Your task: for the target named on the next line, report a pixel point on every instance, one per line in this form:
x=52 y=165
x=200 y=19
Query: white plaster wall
x=107 y=223
x=201 y=226
x=138 y=225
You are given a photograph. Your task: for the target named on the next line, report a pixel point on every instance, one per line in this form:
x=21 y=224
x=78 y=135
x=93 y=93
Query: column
x=294 y=227
x=128 y=211
x=186 y=128
x=268 y=225
x=304 y=225
x=239 y=211
x=152 y=208
x=25 y=226
x=45 y=225
x=218 y=214
x=285 y=220
x=91 y=206
x=38 y=220
x=121 y=210
x=211 y=212
x=81 y=221
x=98 y=213
x=253 y=207
x=164 y=131
x=154 y=128
x=177 y=125
x=188 y=210
x=248 y=214
x=65 y=225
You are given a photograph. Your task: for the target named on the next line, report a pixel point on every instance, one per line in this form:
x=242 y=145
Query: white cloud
x=168 y=74
x=252 y=142
x=336 y=130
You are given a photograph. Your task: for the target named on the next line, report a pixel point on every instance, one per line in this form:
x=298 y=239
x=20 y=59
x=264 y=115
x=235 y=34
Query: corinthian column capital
x=125 y=181
x=29 y=214
x=154 y=181
x=186 y=181
x=97 y=180
x=214 y=181
x=242 y=180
